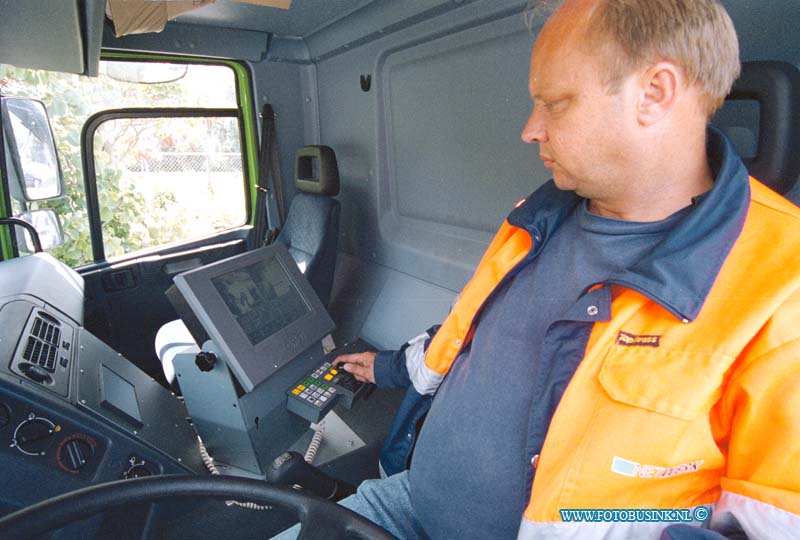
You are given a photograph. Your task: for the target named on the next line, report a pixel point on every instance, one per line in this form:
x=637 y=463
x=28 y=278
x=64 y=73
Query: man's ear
x=660 y=85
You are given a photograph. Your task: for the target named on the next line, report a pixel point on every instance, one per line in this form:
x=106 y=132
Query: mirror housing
x=43 y=230
x=47 y=226
x=31 y=158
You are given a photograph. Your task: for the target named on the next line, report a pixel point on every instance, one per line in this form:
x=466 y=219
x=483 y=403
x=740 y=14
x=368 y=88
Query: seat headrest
x=316 y=171
x=776 y=87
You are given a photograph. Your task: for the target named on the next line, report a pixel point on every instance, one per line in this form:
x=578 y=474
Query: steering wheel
x=319 y=519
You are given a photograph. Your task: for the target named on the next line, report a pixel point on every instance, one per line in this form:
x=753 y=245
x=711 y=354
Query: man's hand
x=361 y=365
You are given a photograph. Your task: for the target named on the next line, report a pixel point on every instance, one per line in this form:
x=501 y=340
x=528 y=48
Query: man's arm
x=389 y=369
x=761 y=409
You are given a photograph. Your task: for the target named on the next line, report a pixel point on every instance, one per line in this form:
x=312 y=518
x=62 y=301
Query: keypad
x=317 y=389
x=322 y=389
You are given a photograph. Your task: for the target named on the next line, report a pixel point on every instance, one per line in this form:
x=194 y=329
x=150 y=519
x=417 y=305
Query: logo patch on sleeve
x=632 y=340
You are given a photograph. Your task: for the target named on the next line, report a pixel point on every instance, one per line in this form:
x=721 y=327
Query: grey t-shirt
x=471 y=473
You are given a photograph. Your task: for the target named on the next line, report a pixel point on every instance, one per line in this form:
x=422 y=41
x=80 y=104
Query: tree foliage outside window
x=131 y=220
x=185 y=171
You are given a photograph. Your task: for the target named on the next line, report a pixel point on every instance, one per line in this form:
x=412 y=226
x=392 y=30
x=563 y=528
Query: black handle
x=291 y=469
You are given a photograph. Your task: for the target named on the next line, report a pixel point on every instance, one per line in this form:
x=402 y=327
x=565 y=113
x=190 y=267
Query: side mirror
x=31 y=159
x=43 y=230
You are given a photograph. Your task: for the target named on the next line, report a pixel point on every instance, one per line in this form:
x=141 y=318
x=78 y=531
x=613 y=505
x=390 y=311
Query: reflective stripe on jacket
x=688 y=388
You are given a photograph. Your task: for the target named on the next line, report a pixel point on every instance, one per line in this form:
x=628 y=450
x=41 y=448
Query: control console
x=322 y=388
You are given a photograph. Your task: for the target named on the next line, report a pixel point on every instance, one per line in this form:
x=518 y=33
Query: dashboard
x=73 y=412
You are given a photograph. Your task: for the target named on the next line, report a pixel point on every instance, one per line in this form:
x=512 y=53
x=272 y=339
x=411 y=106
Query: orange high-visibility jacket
x=688 y=391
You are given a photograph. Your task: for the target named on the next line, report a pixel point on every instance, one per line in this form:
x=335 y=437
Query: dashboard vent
x=42 y=346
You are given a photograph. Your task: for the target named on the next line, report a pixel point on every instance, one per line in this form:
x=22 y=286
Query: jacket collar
x=680 y=272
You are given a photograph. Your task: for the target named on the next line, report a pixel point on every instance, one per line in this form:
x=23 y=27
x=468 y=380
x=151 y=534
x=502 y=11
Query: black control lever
x=291 y=469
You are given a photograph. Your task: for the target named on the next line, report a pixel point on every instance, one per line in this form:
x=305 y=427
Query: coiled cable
x=316 y=441
x=208 y=461
x=311 y=452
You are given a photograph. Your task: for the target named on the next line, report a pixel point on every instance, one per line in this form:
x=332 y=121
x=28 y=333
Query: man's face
x=585 y=134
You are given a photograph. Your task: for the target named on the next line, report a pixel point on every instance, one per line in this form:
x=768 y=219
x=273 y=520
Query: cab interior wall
x=430 y=161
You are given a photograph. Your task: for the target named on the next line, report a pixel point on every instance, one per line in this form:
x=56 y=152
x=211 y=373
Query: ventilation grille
x=42 y=346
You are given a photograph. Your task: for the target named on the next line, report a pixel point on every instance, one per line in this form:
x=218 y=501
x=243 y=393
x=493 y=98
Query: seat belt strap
x=269 y=192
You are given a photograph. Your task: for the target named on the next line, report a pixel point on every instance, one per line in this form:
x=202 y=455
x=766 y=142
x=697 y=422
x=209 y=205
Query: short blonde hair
x=698 y=35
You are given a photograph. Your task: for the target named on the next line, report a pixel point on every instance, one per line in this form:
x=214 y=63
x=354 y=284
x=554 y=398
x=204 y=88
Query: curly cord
x=208 y=461
x=316 y=441
x=313 y=448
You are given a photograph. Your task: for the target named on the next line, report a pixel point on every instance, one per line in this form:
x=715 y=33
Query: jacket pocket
x=681 y=384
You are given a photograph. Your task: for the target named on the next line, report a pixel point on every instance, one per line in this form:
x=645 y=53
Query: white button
x=592 y=311
x=458 y=342
x=535 y=461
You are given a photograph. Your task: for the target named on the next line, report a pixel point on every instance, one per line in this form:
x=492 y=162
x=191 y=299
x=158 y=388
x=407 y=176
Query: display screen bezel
x=252 y=363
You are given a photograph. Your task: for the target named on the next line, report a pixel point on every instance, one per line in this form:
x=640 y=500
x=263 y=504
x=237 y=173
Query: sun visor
x=142 y=16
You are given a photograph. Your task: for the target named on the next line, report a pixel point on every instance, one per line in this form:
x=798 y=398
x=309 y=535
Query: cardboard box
x=280 y=4
x=141 y=16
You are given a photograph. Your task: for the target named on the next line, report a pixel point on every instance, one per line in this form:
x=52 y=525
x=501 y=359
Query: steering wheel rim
x=319 y=519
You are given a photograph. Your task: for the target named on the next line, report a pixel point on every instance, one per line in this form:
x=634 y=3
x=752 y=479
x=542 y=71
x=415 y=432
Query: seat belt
x=269 y=190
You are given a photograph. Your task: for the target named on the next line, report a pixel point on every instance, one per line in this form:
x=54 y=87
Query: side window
x=169 y=168
x=181 y=176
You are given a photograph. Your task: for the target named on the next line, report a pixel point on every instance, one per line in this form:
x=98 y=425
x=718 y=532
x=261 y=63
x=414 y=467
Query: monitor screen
x=258 y=309
x=261 y=298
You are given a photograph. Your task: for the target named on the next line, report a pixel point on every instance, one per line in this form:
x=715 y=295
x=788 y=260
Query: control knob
x=138 y=468
x=37 y=373
x=205 y=361
x=34 y=436
x=75 y=452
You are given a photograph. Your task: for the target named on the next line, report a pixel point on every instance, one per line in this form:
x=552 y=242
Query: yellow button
x=334 y=371
x=328 y=377
x=301 y=387
x=296 y=391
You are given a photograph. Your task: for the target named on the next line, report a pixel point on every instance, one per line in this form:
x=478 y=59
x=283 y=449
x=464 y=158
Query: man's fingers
x=361 y=365
x=362 y=359
x=348 y=359
x=361 y=373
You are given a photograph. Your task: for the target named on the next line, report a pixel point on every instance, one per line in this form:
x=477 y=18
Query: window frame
x=248 y=124
x=8 y=242
x=90 y=171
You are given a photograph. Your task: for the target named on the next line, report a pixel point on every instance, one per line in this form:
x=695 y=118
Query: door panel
x=125 y=302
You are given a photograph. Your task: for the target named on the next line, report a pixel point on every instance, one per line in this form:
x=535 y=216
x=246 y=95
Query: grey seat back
x=775 y=86
x=311 y=230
